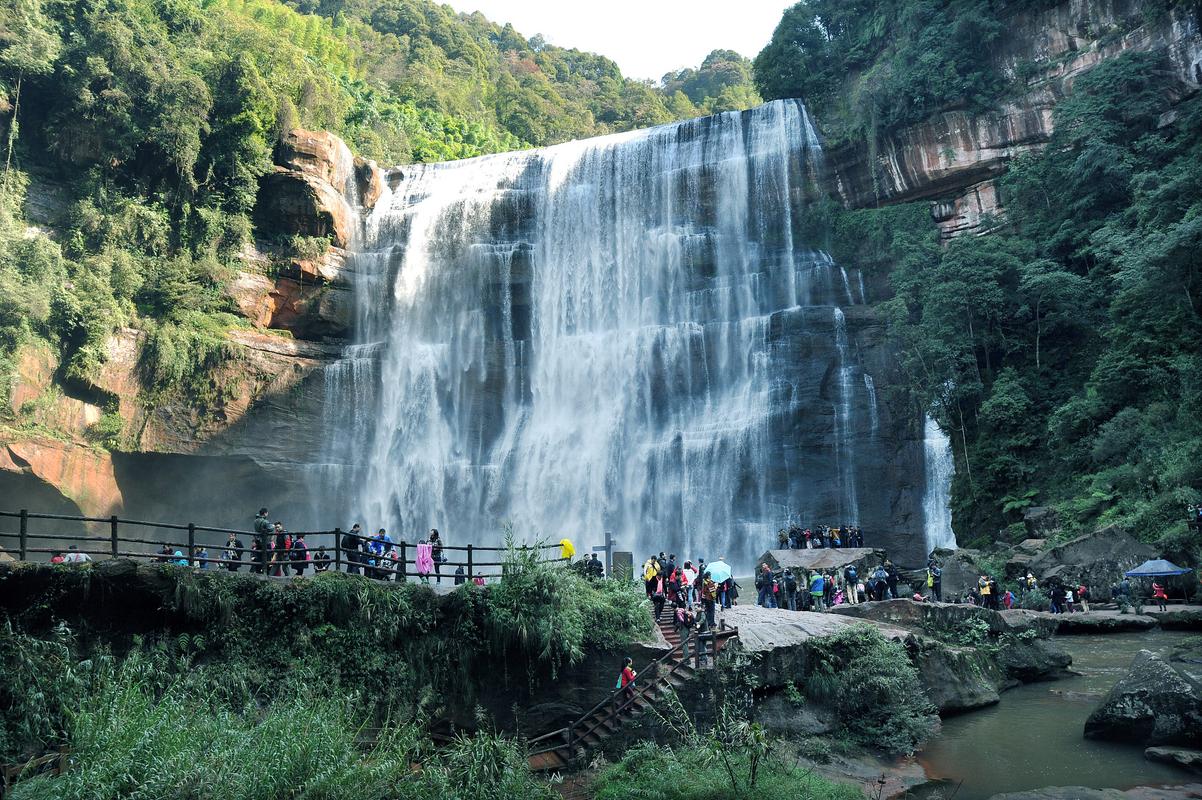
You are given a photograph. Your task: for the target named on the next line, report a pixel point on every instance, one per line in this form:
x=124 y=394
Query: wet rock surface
x=1154 y=703
x=1101 y=622
x=1178 y=756
x=956 y=676
x=1084 y=793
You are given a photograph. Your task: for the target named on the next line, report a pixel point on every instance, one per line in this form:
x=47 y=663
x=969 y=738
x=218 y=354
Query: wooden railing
x=644 y=682
x=118 y=543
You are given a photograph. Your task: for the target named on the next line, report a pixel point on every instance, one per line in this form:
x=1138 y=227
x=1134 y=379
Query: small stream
x=1033 y=737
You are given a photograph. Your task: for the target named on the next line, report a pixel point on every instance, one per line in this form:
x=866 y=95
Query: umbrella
x=719 y=571
x=1155 y=568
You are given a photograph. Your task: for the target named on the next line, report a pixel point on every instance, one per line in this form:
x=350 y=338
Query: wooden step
x=545 y=762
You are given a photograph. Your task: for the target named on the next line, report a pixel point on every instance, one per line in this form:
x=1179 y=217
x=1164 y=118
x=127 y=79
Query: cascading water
x=940 y=467
x=627 y=333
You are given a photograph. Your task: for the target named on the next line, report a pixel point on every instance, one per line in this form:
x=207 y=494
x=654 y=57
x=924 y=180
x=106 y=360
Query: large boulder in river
x=1152 y=704
x=1096 y=559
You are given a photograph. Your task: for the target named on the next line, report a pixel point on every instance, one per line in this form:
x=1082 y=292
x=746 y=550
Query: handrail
x=639 y=692
x=207 y=529
x=262 y=560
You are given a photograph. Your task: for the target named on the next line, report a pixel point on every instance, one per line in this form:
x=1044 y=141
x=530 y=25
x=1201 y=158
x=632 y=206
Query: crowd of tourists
x=820 y=536
x=278 y=552
x=821 y=589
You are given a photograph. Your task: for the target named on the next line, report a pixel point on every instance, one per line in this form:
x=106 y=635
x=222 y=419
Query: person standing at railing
x=709 y=597
x=352 y=549
x=424 y=561
x=263 y=530
x=279 y=550
x=436 y=554
x=379 y=545
x=388 y=563
x=321 y=560
x=232 y=555
x=300 y=555
x=258 y=557
x=73 y=556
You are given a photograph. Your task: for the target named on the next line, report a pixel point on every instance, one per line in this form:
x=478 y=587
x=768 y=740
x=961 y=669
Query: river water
x=1033 y=737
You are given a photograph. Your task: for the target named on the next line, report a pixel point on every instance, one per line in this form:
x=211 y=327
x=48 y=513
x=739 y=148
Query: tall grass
x=130 y=740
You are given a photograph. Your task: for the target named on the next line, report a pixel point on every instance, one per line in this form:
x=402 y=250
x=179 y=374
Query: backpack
x=790 y=582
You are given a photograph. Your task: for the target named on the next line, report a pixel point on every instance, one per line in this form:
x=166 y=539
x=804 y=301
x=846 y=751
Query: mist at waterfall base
x=623 y=334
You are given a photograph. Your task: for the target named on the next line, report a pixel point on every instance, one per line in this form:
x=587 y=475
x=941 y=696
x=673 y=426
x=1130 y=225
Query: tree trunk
x=12 y=129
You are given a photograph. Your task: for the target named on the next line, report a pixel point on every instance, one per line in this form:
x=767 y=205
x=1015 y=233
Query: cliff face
x=954 y=157
x=297 y=309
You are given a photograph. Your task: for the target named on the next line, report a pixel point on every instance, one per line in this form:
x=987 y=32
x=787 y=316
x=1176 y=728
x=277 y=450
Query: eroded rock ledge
x=954 y=157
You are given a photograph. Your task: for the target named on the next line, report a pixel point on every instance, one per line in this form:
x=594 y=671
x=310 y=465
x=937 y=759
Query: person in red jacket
x=626 y=679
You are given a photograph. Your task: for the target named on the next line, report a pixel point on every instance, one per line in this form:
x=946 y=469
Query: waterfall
x=874 y=414
x=845 y=461
x=936 y=503
x=625 y=333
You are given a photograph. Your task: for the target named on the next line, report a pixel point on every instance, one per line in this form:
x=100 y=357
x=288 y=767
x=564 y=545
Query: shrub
x=872 y=687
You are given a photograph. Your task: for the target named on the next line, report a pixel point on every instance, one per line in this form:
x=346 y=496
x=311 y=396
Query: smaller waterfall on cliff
x=849 y=510
x=874 y=415
x=936 y=501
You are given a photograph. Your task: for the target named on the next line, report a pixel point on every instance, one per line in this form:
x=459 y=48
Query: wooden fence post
x=337 y=548
x=113 y=534
x=24 y=533
x=403 y=575
x=191 y=544
x=470 y=572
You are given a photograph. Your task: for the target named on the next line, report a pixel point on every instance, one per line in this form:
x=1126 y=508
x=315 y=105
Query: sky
x=647 y=38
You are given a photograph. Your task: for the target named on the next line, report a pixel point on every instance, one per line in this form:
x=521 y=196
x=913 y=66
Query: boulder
x=961 y=569
x=957 y=679
x=1031 y=660
x=1152 y=704
x=1179 y=756
x=317 y=154
x=296 y=203
x=1102 y=622
x=1041 y=522
x=369 y=182
x=1096 y=559
x=1184 y=619
x=307 y=192
x=933 y=618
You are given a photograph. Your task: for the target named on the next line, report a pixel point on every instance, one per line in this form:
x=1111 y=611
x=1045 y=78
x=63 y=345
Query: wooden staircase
x=555 y=750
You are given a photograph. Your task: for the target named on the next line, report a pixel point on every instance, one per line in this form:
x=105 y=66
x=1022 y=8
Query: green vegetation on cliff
x=1064 y=351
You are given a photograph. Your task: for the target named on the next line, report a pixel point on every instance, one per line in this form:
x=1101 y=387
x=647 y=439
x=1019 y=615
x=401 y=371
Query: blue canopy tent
x=1156 y=568
x=1160 y=568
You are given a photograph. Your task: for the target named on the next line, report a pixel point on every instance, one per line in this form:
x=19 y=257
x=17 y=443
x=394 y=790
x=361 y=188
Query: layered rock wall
x=954 y=157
